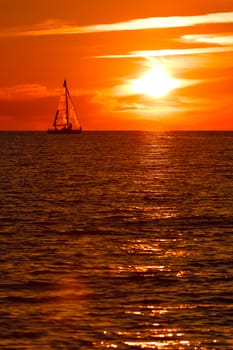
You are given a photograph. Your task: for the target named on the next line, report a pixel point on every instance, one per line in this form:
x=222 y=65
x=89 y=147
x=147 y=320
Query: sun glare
x=155 y=83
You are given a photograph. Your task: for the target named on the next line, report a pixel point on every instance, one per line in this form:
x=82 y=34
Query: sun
x=154 y=83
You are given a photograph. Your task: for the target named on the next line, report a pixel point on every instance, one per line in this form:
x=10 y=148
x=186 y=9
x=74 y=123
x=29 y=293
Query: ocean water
x=116 y=240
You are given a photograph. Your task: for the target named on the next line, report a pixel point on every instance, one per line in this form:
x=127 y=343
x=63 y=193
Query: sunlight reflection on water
x=116 y=240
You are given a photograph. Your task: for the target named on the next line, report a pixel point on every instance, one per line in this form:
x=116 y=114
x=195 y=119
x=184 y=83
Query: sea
x=116 y=240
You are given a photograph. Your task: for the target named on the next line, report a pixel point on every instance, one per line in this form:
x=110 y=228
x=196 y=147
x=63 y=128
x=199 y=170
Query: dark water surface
x=119 y=240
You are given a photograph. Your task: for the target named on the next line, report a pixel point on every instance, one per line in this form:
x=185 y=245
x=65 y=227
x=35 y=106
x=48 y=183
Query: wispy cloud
x=162 y=22
x=55 y=27
x=210 y=38
x=36 y=91
x=26 y=91
x=170 y=52
x=147 y=106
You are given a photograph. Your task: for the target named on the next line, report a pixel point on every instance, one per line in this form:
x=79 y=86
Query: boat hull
x=63 y=132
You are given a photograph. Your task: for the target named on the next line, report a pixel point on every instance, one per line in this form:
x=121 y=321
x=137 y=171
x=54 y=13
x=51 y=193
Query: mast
x=67 y=103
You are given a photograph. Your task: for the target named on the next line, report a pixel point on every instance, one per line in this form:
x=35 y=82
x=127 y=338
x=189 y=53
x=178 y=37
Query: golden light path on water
x=151 y=269
x=159 y=337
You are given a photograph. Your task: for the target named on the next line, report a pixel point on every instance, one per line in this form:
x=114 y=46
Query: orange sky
x=101 y=47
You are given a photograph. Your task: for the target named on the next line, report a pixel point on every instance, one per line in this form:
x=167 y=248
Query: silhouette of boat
x=66 y=119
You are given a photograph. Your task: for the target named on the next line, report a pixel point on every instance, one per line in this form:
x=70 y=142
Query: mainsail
x=66 y=119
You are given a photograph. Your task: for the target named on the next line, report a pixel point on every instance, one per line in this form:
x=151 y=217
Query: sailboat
x=66 y=119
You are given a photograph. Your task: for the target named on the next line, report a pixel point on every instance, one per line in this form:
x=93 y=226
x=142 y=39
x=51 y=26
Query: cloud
x=25 y=92
x=56 y=27
x=35 y=91
x=163 y=22
x=170 y=52
x=210 y=38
